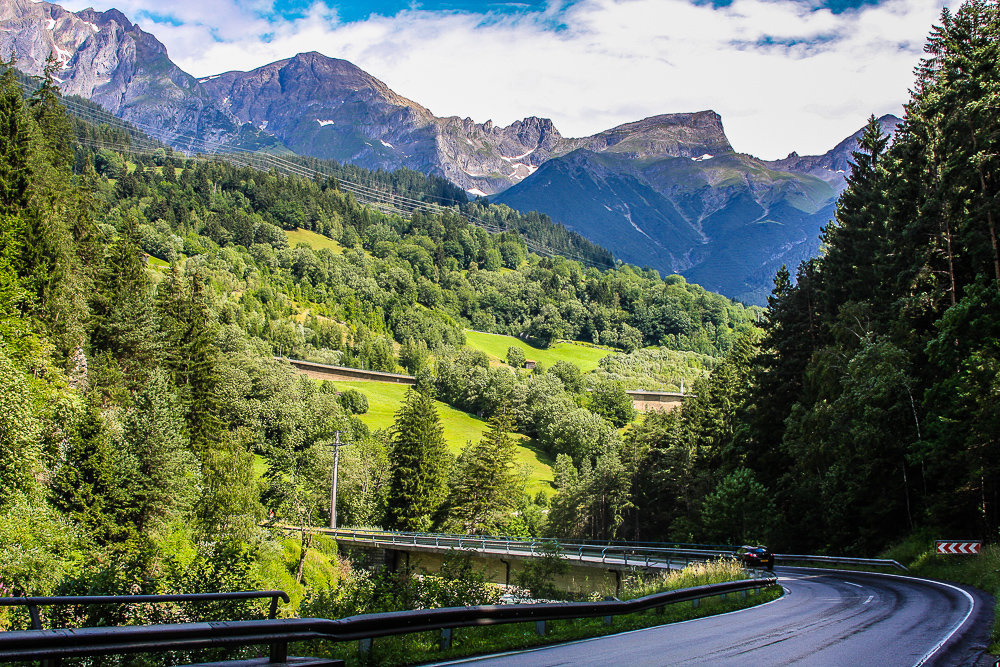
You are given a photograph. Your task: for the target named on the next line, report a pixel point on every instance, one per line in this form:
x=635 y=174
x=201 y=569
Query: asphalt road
x=826 y=617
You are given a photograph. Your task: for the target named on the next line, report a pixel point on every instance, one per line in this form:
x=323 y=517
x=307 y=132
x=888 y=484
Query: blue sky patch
x=360 y=10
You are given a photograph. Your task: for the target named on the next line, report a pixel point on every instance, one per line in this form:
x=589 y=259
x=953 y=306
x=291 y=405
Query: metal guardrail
x=648 y=554
x=46 y=644
x=33 y=603
x=841 y=560
x=635 y=555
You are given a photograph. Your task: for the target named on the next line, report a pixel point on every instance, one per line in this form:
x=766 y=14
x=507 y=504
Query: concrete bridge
x=644 y=401
x=591 y=568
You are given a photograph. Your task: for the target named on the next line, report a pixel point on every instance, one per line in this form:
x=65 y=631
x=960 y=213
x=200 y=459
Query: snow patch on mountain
x=518 y=157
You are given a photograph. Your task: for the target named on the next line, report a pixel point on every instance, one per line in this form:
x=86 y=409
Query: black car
x=756 y=557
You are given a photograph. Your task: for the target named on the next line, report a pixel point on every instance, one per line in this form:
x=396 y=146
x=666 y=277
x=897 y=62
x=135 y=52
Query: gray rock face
x=835 y=165
x=315 y=105
x=330 y=108
x=106 y=58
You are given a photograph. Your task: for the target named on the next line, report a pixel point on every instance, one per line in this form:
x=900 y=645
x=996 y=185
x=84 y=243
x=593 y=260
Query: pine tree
x=123 y=322
x=485 y=487
x=15 y=135
x=192 y=356
x=51 y=118
x=855 y=241
x=96 y=483
x=168 y=475
x=419 y=464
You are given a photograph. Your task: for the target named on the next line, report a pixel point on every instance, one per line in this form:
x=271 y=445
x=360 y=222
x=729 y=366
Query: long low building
x=648 y=401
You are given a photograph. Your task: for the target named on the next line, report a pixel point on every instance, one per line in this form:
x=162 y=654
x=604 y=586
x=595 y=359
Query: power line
x=386 y=201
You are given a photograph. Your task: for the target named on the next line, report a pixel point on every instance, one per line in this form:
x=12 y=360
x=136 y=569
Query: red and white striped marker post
x=964 y=547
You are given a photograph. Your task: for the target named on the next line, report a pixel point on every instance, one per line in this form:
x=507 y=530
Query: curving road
x=826 y=617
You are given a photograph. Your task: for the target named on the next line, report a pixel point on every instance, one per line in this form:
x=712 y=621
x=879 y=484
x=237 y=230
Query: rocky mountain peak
x=834 y=165
x=102 y=19
x=106 y=58
x=666 y=135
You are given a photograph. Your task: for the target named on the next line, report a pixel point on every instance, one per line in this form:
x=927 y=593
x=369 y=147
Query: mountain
x=667 y=191
x=106 y=58
x=724 y=220
x=834 y=165
x=330 y=108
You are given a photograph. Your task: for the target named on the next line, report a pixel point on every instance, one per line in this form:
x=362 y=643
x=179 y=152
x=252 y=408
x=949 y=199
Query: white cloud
x=783 y=76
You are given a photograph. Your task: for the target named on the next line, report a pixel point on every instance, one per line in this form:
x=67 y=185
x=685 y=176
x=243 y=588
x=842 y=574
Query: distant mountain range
x=667 y=192
x=725 y=220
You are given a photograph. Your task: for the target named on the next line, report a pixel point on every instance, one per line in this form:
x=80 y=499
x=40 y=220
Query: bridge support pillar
x=397 y=560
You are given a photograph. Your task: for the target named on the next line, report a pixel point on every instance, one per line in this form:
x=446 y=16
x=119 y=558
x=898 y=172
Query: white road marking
x=474 y=658
x=937 y=647
x=853 y=584
x=870 y=598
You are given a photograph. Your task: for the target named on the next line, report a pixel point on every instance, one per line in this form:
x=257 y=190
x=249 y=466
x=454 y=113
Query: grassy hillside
x=316 y=241
x=495 y=345
x=460 y=428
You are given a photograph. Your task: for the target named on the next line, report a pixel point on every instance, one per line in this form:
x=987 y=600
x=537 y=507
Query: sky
x=785 y=75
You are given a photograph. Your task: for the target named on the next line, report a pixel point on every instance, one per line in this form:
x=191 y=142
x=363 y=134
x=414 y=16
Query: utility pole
x=337 y=444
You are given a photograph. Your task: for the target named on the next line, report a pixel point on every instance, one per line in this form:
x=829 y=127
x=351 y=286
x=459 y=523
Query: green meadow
x=495 y=345
x=316 y=241
x=460 y=428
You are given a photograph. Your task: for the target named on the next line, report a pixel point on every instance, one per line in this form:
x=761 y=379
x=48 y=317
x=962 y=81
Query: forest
x=149 y=433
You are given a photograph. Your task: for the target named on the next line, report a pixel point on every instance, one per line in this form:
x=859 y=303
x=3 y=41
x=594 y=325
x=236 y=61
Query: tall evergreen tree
x=485 y=486
x=855 y=241
x=419 y=464
x=15 y=135
x=192 y=356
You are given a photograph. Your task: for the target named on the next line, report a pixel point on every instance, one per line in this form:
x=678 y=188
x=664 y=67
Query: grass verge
x=981 y=571
x=424 y=646
x=416 y=648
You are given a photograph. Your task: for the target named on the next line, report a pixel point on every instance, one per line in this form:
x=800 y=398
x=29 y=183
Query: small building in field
x=529 y=364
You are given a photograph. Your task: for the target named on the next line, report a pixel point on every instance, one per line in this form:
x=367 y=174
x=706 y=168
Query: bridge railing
x=645 y=554
x=659 y=555
x=277 y=633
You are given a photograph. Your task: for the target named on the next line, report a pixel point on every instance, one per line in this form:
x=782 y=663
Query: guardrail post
x=36 y=620
x=365 y=646
x=445 y=642
x=540 y=628
x=279 y=652
x=743 y=594
x=696 y=603
x=273 y=612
